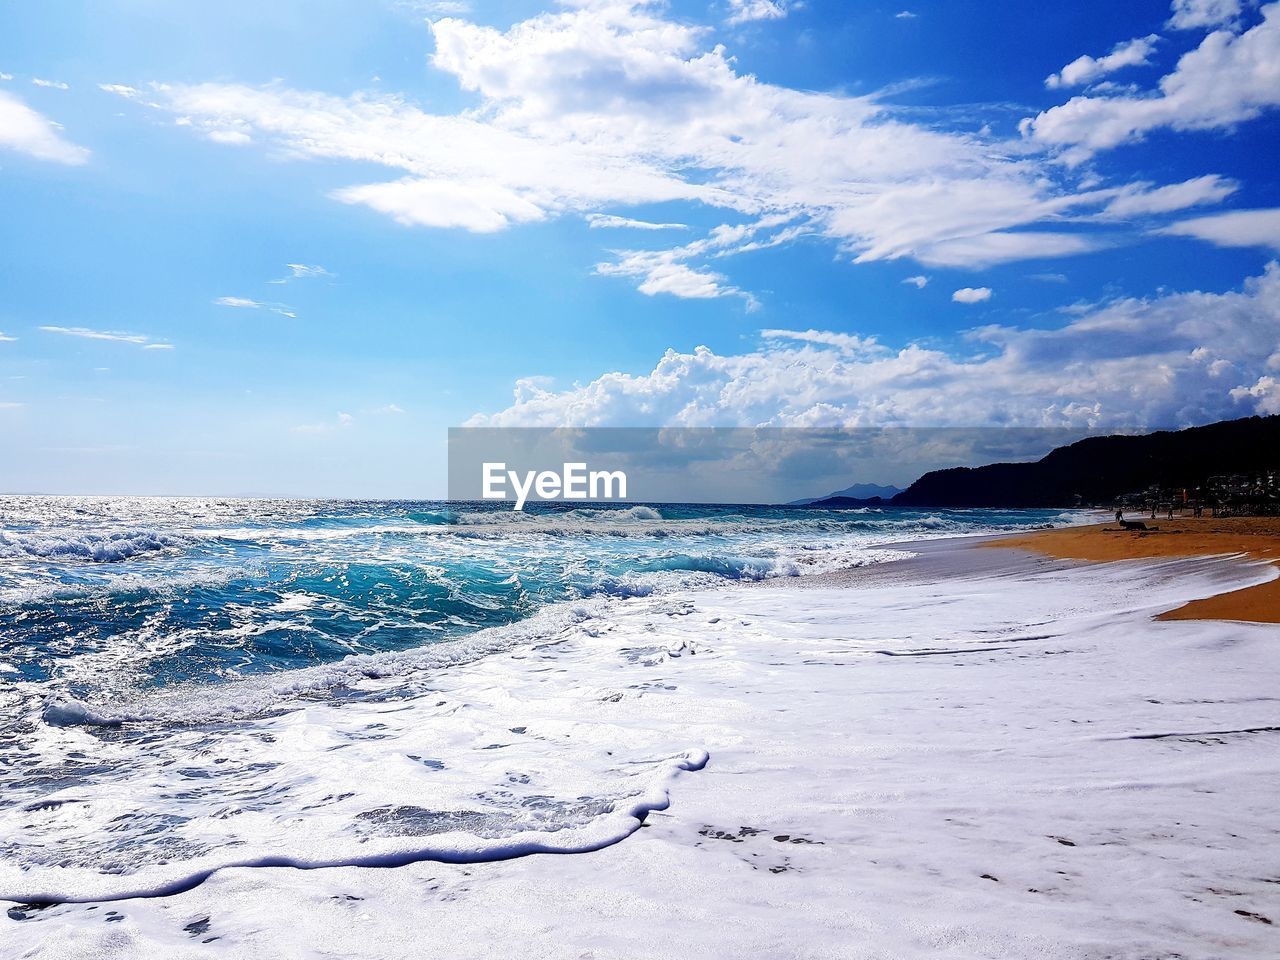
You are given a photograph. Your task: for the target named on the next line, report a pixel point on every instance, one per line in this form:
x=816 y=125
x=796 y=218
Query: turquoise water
x=102 y=595
x=183 y=683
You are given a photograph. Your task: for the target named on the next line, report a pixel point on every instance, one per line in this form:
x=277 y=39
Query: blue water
x=185 y=682
x=103 y=595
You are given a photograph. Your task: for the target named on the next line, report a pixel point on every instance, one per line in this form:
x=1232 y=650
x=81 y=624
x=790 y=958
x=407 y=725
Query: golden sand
x=1259 y=537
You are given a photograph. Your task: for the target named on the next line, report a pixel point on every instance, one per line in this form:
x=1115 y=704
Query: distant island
x=1232 y=462
x=859 y=491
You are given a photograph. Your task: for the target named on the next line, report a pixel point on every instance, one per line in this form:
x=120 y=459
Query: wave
x=257 y=696
x=400 y=835
x=88 y=547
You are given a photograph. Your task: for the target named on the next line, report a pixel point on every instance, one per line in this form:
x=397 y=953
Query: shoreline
x=1254 y=540
x=957 y=754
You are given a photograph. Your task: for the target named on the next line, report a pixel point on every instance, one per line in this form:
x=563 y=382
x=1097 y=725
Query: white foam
x=88 y=547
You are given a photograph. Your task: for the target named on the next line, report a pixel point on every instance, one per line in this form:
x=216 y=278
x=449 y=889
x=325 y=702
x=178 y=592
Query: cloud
x=1200 y=14
x=906 y=15
x=744 y=11
x=971 y=295
x=611 y=106
x=608 y=221
x=6 y=76
x=659 y=273
x=1226 y=80
x=139 y=339
x=120 y=90
x=303 y=271
x=844 y=342
x=1086 y=69
x=245 y=303
x=29 y=132
x=1141 y=199
x=919 y=282
x=1178 y=359
x=1237 y=228
x=52 y=84
x=437 y=7
x=1265 y=395
x=6 y=339
x=391 y=408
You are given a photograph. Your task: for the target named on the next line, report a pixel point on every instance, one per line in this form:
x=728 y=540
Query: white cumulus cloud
x=1200 y=14
x=971 y=295
x=1226 y=80
x=1177 y=359
x=1086 y=69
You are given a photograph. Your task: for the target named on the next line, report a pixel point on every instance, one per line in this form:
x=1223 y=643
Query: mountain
x=1098 y=470
x=859 y=491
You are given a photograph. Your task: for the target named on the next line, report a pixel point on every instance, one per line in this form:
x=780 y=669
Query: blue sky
x=279 y=248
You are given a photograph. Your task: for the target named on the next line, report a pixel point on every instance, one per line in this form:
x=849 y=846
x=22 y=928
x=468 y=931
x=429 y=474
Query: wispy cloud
x=4 y=338
x=391 y=408
x=246 y=303
x=609 y=221
x=919 y=282
x=1236 y=228
x=302 y=271
x=906 y=15
x=544 y=142
x=32 y=133
x=52 y=84
x=119 y=89
x=745 y=11
x=119 y=336
x=844 y=342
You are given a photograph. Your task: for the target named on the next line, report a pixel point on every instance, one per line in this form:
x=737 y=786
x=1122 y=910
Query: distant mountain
x=1098 y=470
x=859 y=491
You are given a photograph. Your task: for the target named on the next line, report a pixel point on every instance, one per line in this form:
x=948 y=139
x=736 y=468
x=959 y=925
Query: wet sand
x=1258 y=538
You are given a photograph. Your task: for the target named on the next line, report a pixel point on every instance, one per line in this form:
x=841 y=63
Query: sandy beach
x=969 y=754
x=1255 y=538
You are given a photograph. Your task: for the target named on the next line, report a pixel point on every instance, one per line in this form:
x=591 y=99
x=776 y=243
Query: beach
x=963 y=753
x=1256 y=539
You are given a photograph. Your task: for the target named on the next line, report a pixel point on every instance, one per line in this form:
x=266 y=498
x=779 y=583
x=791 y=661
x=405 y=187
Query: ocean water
x=189 y=684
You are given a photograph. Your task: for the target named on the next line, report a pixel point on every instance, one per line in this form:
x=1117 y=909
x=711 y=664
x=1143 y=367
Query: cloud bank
x=1183 y=358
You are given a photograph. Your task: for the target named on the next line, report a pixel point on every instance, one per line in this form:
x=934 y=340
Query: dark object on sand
x=1132 y=525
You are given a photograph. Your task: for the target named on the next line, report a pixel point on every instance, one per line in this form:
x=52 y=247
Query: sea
x=188 y=684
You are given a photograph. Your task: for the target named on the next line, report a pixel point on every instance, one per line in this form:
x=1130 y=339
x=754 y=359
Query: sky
x=279 y=249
